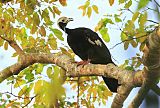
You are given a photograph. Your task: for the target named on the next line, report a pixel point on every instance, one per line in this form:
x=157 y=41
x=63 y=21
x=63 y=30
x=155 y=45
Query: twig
x=157 y=3
x=29 y=101
x=156 y=89
x=14 y=45
x=127 y=40
x=153 y=21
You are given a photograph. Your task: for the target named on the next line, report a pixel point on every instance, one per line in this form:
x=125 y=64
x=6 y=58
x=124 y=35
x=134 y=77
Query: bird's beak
x=70 y=19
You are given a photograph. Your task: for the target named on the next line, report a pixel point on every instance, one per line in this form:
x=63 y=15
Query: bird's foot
x=84 y=62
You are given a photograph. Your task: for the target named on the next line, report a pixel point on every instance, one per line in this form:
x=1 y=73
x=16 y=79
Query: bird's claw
x=84 y=62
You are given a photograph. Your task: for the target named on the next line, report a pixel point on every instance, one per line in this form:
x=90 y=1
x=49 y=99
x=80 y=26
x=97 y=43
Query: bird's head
x=63 y=21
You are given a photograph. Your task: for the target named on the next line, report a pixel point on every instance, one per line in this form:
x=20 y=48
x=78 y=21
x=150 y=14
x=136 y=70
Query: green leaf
x=52 y=42
x=135 y=16
x=123 y=36
x=142 y=4
x=127 y=5
x=39 y=68
x=121 y=1
x=142 y=20
x=57 y=33
x=105 y=35
x=49 y=72
x=117 y=19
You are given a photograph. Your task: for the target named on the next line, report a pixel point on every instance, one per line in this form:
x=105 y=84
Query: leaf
x=142 y=4
x=56 y=10
x=127 y=5
x=142 y=19
x=87 y=3
x=19 y=82
x=52 y=42
x=95 y=8
x=121 y=1
x=63 y=2
x=14 y=54
x=1 y=42
x=42 y=31
x=32 y=41
x=111 y=2
x=57 y=33
x=39 y=68
x=89 y=12
x=126 y=44
x=6 y=45
x=38 y=86
x=117 y=19
x=49 y=72
x=36 y=19
x=133 y=43
x=123 y=36
x=22 y=91
x=105 y=35
x=135 y=16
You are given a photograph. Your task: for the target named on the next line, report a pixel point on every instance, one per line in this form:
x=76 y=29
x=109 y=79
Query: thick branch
x=151 y=59
x=72 y=70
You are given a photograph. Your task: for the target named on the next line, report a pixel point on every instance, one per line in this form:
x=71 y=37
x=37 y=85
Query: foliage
x=31 y=24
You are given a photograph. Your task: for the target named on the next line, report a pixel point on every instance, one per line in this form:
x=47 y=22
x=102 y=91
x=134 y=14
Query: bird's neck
x=66 y=30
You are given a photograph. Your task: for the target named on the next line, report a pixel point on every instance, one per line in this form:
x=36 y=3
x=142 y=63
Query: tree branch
x=14 y=45
x=127 y=79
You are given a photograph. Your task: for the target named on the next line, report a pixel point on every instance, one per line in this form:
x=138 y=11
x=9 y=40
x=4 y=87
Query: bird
x=89 y=47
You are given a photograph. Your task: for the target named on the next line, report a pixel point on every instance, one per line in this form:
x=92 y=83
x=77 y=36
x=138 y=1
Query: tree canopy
x=45 y=69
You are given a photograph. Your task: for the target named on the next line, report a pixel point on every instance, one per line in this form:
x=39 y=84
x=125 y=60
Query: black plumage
x=88 y=46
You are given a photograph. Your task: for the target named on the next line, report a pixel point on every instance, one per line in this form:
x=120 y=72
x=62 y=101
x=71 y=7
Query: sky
x=118 y=53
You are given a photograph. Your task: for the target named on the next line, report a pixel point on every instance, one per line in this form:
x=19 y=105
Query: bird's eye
x=62 y=20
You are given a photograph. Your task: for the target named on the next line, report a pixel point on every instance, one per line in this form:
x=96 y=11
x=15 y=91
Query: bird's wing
x=96 y=43
x=93 y=38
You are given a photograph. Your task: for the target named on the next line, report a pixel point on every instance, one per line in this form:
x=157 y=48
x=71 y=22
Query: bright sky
x=71 y=10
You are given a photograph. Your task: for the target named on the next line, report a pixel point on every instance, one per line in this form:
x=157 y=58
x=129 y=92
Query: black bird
x=89 y=47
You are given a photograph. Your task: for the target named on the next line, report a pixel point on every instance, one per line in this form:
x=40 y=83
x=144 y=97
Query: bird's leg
x=83 y=62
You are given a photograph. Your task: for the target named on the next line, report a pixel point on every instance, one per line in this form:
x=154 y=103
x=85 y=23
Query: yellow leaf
x=56 y=10
x=95 y=8
x=111 y=2
x=37 y=87
x=63 y=2
x=134 y=44
x=81 y=7
x=6 y=45
x=89 y=12
x=42 y=31
x=126 y=44
x=84 y=11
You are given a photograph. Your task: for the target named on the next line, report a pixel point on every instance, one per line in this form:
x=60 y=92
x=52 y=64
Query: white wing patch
x=91 y=41
x=96 y=42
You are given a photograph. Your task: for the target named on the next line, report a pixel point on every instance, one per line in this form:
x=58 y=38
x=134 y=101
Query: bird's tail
x=111 y=83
